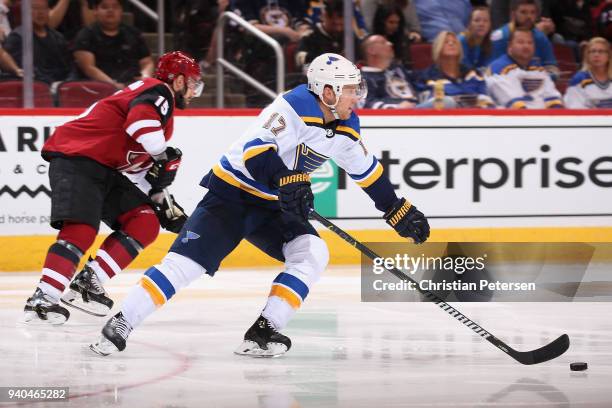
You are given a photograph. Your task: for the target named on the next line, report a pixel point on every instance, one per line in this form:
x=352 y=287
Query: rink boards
x=492 y=176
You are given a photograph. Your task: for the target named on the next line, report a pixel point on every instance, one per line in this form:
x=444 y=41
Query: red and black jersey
x=121 y=131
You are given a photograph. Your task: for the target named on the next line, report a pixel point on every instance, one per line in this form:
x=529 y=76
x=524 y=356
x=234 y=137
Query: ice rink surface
x=345 y=353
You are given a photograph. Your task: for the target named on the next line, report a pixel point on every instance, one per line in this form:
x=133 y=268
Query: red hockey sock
x=139 y=228
x=63 y=257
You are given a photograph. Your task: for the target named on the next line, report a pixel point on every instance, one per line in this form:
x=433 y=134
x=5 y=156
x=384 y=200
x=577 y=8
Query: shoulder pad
x=350 y=127
x=160 y=97
x=579 y=77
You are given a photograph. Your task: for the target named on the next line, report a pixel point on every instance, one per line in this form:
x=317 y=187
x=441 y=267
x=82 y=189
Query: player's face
x=525 y=16
x=598 y=56
x=522 y=47
x=109 y=13
x=480 y=23
x=351 y=94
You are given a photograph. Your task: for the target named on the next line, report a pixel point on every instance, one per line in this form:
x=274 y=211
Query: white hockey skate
x=87 y=294
x=40 y=308
x=114 y=336
x=263 y=340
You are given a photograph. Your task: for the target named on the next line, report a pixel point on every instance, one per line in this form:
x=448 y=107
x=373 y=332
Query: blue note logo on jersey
x=307 y=159
x=189 y=235
x=331 y=60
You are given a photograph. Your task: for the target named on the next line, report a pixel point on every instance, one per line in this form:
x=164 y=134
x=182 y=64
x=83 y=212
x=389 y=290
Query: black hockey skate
x=39 y=307
x=114 y=336
x=87 y=294
x=263 y=340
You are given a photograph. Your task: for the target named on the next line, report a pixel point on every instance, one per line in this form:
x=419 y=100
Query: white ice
x=345 y=353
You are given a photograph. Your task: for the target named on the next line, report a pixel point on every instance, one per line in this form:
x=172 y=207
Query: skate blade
x=31 y=318
x=252 y=349
x=103 y=347
x=75 y=300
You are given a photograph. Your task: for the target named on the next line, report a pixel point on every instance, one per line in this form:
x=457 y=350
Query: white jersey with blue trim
x=513 y=86
x=293 y=126
x=584 y=92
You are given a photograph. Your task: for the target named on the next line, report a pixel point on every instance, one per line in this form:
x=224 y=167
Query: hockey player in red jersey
x=111 y=164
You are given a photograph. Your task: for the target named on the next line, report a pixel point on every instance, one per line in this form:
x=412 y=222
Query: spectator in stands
x=518 y=80
x=591 y=87
x=602 y=16
x=285 y=21
x=52 y=62
x=111 y=51
x=389 y=84
x=9 y=67
x=194 y=28
x=460 y=86
x=572 y=19
x=442 y=15
x=5 y=24
x=328 y=36
x=411 y=20
x=524 y=14
x=389 y=22
x=70 y=16
x=476 y=40
x=500 y=14
x=360 y=26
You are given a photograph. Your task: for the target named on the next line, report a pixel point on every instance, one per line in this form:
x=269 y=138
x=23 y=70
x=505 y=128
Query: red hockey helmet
x=175 y=63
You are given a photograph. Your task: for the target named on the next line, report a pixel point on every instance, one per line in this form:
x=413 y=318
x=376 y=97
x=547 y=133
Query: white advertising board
x=460 y=170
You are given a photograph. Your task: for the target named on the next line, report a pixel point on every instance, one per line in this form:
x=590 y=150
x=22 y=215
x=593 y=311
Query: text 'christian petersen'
x=380 y=285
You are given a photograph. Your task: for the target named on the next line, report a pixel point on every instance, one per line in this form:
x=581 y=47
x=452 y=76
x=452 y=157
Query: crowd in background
x=413 y=53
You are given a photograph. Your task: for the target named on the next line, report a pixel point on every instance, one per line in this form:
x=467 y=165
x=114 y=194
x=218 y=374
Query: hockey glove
x=170 y=220
x=408 y=221
x=163 y=172
x=294 y=193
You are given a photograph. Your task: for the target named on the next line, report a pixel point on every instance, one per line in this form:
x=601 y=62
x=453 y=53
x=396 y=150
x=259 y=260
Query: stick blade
x=545 y=353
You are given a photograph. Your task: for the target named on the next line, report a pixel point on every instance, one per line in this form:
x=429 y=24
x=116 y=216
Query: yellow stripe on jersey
x=156 y=295
x=586 y=82
x=287 y=295
x=518 y=105
x=348 y=130
x=554 y=102
x=227 y=177
x=312 y=119
x=255 y=150
x=374 y=175
x=508 y=69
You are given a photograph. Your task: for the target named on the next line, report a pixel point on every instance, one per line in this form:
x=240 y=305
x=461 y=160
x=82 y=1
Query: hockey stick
x=169 y=201
x=545 y=353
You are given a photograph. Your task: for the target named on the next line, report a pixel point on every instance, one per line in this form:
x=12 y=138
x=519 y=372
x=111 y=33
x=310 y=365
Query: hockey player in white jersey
x=591 y=87
x=518 y=80
x=260 y=191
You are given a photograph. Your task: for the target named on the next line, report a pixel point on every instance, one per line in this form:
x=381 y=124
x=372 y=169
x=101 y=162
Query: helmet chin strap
x=332 y=108
x=179 y=98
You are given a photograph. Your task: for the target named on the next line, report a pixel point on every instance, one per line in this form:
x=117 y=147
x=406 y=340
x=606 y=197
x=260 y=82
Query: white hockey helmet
x=336 y=71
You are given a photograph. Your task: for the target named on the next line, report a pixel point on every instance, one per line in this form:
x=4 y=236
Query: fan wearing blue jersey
x=260 y=191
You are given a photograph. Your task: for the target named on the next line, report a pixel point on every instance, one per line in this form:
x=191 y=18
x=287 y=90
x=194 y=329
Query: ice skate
x=263 y=340
x=87 y=294
x=40 y=307
x=114 y=336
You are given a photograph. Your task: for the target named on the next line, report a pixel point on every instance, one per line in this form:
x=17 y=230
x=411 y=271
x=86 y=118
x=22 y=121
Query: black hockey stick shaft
x=545 y=353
